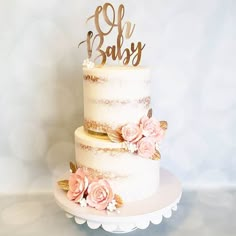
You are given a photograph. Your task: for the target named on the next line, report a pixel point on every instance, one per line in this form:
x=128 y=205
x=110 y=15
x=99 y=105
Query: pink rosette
x=131 y=132
x=100 y=194
x=78 y=184
x=151 y=127
x=146 y=147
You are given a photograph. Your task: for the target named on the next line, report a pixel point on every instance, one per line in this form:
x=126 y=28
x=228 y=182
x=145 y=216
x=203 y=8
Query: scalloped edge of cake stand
x=151 y=210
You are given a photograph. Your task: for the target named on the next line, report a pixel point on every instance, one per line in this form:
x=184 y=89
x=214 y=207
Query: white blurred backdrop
x=191 y=49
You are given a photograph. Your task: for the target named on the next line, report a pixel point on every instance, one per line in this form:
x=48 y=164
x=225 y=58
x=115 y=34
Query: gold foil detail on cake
x=111 y=151
x=97 y=174
x=98 y=126
x=97 y=134
x=94 y=79
x=142 y=101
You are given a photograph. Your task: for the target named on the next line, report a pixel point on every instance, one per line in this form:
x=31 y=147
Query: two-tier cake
x=117 y=148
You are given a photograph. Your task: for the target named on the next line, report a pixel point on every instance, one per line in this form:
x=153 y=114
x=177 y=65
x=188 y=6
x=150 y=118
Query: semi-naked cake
x=117 y=148
x=114 y=97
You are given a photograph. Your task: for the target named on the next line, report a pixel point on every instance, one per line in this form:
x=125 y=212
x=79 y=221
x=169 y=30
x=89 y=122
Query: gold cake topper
x=113 y=20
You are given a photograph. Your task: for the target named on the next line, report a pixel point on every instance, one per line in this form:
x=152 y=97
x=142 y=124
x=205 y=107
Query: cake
x=119 y=141
x=117 y=150
x=114 y=96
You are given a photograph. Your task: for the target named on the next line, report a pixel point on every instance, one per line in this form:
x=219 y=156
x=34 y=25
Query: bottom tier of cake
x=131 y=176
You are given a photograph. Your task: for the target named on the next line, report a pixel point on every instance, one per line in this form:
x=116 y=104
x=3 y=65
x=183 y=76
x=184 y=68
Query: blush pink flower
x=100 y=194
x=78 y=183
x=151 y=127
x=131 y=132
x=146 y=147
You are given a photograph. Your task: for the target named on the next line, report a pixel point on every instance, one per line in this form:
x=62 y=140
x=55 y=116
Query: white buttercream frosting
x=131 y=176
x=115 y=95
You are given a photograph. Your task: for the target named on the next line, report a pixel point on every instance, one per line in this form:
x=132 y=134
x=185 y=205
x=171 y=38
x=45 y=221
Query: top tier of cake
x=114 y=96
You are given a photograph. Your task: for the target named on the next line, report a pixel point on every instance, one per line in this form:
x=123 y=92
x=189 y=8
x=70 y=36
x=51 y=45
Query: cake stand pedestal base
x=133 y=215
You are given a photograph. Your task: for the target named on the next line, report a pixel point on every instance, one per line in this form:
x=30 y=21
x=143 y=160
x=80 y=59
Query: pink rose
x=146 y=147
x=99 y=194
x=131 y=132
x=78 y=183
x=151 y=127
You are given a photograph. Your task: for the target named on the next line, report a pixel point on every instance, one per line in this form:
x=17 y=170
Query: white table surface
x=205 y=212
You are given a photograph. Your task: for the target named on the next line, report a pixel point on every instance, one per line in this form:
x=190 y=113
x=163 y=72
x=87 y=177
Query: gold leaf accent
x=73 y=167
x=145 y=101
x=164 y=125
x=97 y=134
x=149 y=114
x=115 y=136
x=156 y=155
x=119 y=201
x=63 y=184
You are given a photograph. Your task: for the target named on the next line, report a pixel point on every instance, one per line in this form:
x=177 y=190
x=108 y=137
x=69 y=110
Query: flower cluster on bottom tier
x=87 y=191
x=125 y=163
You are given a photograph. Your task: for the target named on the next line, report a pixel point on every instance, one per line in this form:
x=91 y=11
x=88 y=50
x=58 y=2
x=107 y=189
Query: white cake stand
x=132 y=215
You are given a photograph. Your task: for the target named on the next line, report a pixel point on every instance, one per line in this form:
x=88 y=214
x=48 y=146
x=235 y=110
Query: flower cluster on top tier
x=143 y=138
x=92 y=192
